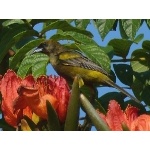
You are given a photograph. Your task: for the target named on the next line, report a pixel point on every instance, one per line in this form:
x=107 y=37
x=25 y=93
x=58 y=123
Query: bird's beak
x=37 y=50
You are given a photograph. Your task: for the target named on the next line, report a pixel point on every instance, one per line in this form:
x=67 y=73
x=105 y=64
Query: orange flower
x=142 y=123
x=8 y=87
x=115 y=118
x=53 y=89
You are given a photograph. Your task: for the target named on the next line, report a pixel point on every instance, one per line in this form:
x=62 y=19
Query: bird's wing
x=79 y=60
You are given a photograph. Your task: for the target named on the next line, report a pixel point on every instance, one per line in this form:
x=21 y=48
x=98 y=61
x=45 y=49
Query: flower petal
x=9 y=85
x=61 y=92
x=131 y=114
x=28 y=81
x=27 y=97
x=115 y=116
x=35 y=98
x=142 y=123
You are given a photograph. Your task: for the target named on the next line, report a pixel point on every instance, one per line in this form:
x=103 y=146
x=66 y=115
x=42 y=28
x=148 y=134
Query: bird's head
x=47 y=47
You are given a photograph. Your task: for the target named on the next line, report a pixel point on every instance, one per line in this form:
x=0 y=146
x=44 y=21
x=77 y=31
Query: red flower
x=9 y=85
x=53 y=89
x=115 y=118
x=24 y=96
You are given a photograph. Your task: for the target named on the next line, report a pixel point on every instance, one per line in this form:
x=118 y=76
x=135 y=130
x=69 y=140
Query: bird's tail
x=111 y=83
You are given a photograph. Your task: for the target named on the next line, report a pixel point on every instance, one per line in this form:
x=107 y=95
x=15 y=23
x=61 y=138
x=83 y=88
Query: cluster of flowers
x=28 y=97
x=116 y=118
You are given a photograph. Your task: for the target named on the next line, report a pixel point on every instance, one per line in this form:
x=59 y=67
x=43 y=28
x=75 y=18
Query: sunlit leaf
x=104 y=26
x=65 y=26
x=78 y=37
x=131 y=26
x=37 y=21
x=23 y=50
x=12 y=21
x=138 y=38
x=69 y=20
x=109 y=50
x=38 y=63
x=97 y=55
x=122 y=31
x=142 y=60
x=82 y=23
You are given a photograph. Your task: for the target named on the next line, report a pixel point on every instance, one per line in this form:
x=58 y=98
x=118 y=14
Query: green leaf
x=53 y=121
x=121 y=46
x=141 y=86
x=65 y=26
x=104 y=26
x=22 y=42
x=104 y=100
x=69 y=20
x=37 y=21
x=95 y=118
x=38 y=63
x=31 y=124
x=23 y=50
x=146 y=45
x=125 y=127
x=12 y=21
x=25 y=66
x=115 y=25
x=4 y=65
x=138 y=38
x=82 y=23
x=97 y=55
x=141 y=61
x=131 y=26
x=71 y=123
x=12 y=36
x=124 y=73
x=109 y=50
x=148 y=23
x=78 y=37
x=5 y=126
x=122 y=31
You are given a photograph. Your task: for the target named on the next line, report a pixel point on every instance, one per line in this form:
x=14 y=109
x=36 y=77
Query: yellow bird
x=69 y=63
